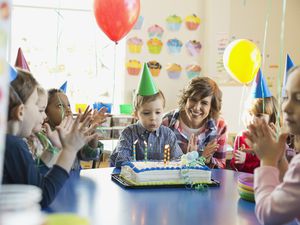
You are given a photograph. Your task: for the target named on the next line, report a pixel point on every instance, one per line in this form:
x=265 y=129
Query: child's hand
x=100 y=116
x=87 y=112
x=240 y=157
x=210 y=149
x=53 y=136
x=262 y=139
x=192 y=145
x=73 y=134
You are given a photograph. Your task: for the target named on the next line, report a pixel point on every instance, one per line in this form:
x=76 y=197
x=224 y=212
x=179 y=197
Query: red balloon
x=116 y=17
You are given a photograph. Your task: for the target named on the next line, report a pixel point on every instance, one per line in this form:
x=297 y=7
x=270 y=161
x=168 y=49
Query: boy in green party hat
x=147 y=138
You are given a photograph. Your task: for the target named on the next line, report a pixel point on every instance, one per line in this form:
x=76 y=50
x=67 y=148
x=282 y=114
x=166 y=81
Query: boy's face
x=42 y=104
x=58 y=108
x=291 y=103
x=197 y=110
x=150 y=114
x=31 y=116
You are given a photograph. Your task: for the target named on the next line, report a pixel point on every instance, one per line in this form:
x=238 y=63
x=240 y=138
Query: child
x=277 y=183
x=147 y=135
x=23 y=116
x=264 y=106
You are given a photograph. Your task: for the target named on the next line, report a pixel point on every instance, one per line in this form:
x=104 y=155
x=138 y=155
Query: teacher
x=197 y=123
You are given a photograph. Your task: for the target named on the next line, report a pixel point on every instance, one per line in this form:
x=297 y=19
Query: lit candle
x=134 y=150
x=146 y=151
x=165 y=154
x=168 y=153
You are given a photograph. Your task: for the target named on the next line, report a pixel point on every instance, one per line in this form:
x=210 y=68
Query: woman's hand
x=210 y=149
x=262 y=138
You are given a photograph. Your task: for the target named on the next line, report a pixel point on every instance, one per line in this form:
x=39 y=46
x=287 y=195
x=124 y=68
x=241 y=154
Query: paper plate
x=246 y=195
x=245 y=187
x=240 y=189
x=66 y=219
x=246 y=179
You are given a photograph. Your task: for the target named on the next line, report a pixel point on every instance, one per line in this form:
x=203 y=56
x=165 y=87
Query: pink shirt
x=277 y=203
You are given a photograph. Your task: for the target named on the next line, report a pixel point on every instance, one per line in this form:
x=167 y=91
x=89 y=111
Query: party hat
x=146 y=85
x=259 y=87
x=12 y=73
x=288 y=65
x=21 y=61
x=64 y=87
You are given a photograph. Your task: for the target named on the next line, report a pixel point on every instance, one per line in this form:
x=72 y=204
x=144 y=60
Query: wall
x=223 y=20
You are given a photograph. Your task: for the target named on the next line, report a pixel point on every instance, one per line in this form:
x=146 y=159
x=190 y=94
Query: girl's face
x=197 y=110
x=58 y=108
x=42 y=104
x=264 y=116
x=291 y=103
x=150 y=114
x=31 y=116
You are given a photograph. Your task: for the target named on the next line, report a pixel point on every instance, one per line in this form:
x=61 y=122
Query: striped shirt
x=153 y=142
x=213 y=130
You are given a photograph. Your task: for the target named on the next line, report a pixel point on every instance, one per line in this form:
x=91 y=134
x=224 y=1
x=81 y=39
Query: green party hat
x=146 y=85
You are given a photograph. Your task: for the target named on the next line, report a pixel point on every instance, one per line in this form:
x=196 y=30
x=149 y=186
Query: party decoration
x=133 y=67
x=139 y=23
x=174 y=70
x=259 y=87
x=174 y=45
x=288 y=65
x=21 y=61
x=134 y=45
x=193 y=70
x=155 y=31
x=146 y=85
x=64 y=87
x=116 y=17
x=242 y=60
x=154 y=45
x=192 y=22
x=245 y=187
x=174 y=22
x=193 y=47
x=12 y=73
x=154 y=67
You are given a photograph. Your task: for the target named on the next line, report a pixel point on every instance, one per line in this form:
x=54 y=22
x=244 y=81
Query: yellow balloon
x=242 y=60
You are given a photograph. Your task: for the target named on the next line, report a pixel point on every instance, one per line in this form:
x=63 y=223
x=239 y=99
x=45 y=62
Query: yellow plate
x=66 y=219
x=248 y=188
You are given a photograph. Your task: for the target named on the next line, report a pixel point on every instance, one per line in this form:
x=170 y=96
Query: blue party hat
x=12 y=73
x=64 y=87
x=288 y=65
x=259 y=87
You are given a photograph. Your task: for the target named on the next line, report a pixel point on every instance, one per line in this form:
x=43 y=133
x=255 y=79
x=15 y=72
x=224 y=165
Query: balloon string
x=114 y=81
x=241 y=104
x=280 y=71
x=265 y=33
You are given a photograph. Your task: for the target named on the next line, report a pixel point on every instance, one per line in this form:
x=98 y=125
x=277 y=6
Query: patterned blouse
x=136 y=137
x=213 y=130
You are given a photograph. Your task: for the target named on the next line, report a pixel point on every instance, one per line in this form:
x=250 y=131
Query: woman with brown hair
x=197 y=122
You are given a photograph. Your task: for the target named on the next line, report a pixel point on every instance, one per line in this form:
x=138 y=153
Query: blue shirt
x=155 y=142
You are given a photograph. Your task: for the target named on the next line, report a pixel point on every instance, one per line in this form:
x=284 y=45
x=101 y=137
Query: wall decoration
x=192 y=22
x=174 y=45
x=133 y=67
x=174 y=70
x=154 y=67
x=193 y=70
x=154 y=45
x=135 y=45
x=139 y=23
x=221 y=44
x=155 y=31
x=193 y=47
x=174 y=22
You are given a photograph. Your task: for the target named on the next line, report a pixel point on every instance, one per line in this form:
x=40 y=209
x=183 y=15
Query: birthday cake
x=159 y=172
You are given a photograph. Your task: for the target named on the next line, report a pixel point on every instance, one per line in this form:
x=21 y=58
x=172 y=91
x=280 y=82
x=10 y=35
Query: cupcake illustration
x=192 y=22
x=174 y=70
x=174 y=45
x=154 y=67
x=135 y=45
x=174 y=22
x=193 y=47
x=193 y=70
x=139 y=23
x=154 y=45
x=133 y=67
x=155 y=31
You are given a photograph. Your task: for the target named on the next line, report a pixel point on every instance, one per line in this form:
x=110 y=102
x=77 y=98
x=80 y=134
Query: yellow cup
x=80 y=106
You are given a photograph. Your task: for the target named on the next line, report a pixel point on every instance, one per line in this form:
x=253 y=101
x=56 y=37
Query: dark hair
x=141 y=100
x=21 y=89
x=52 y=92
x=199 y=88
x=267 y=105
